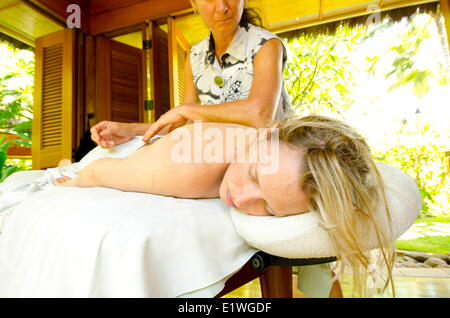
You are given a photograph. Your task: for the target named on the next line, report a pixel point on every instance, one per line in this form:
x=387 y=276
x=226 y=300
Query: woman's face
x=249 y=188
x=221 y=16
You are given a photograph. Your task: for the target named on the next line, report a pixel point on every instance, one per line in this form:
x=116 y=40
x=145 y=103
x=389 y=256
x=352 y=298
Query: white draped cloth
x=100 y=242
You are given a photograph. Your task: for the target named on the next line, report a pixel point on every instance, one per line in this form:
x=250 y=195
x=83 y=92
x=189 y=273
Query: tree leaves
x=318 y=74
x=16 y=91
x=16 y=107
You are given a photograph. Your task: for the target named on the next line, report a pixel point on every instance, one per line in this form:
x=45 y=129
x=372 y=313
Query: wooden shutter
x=160 y=71
x=53 y=99
x=121 y=82
x=178 y=50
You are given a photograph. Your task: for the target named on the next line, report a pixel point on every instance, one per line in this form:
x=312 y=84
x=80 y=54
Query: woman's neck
x=222 y=42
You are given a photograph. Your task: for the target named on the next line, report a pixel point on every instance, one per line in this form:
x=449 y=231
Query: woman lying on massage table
x=305 y=163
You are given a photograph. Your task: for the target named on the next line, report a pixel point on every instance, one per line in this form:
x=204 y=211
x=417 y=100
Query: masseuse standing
x=234 y=75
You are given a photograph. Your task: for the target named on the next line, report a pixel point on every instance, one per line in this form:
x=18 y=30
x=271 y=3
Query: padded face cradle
x=301 y=236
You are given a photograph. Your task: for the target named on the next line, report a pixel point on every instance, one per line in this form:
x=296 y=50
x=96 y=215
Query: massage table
x=101 y=242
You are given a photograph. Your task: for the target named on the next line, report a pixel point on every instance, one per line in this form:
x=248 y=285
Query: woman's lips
x=225 y=20
x=230 y=200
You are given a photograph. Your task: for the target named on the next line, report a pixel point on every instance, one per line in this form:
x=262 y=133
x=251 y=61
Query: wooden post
x=445 y=7
x=90 y=84
x=276 y=282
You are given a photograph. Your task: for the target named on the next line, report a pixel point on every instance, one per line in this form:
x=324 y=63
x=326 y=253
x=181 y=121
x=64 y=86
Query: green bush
x=321 y=77
x=16 y=104
x=5 y=168
x=426 y=162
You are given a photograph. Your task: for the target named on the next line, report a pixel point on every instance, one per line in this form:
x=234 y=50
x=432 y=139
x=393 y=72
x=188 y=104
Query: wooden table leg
x=276 y=282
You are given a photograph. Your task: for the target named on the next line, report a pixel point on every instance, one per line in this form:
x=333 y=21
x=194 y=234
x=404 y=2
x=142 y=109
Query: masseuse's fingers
x=107 y=138
x=101 y=134
x=172 y=120
x=157 y=126
x=95 y=132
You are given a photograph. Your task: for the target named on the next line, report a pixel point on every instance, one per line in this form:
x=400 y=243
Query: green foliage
x=5 y=169
x=319 y=75
x=406 y=68
x=426 y=163
x=16 y=103
x=16 y=106
x=321 y=78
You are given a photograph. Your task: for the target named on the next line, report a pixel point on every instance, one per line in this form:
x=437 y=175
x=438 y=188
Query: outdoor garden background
x=390 y=80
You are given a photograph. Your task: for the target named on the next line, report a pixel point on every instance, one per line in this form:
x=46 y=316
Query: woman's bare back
x=184 y=163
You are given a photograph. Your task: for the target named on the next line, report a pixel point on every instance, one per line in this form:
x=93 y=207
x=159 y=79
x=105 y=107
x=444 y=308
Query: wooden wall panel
x=126 y=67
x=121 y=82
x=160 y=72
x=178 y=50
x=54 y=99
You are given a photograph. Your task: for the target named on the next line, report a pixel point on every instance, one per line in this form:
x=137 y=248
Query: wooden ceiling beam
x=56 y=10
x=336 y=15
x=136 y=13
x=13 y=5
x=18 y=36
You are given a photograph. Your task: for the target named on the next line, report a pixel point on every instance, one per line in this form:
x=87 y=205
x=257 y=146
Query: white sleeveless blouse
x=232 y=81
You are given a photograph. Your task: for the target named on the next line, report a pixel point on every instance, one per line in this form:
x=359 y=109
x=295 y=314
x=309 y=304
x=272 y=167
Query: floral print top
x=232 y=81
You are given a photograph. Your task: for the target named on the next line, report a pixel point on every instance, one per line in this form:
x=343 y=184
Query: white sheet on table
x=99 y=242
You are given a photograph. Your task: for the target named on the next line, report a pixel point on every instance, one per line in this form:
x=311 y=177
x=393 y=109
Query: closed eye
x=253 y=173
x=270 y=210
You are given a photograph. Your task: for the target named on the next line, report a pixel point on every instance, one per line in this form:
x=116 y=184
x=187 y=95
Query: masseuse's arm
x=256 y=111
x=107 y=134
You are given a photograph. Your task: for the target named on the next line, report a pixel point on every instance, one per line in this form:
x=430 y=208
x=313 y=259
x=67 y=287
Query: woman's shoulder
x=200 y=47
x=259 y=32
x=258 y=36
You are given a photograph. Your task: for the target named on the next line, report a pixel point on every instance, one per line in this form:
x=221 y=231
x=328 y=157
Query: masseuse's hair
x=344 y=186
x=251 y=16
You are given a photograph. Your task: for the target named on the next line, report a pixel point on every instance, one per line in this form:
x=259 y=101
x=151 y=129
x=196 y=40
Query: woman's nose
x=222 y=6
x=246 y=197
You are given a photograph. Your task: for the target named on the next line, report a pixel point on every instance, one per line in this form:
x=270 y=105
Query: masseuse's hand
x=172 y=118
x=109 y=133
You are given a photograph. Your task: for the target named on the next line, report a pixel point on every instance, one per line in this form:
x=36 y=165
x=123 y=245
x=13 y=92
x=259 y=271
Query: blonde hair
x=344 y=186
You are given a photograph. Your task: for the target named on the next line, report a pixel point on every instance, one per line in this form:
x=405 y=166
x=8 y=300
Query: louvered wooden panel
x=52 y=97
x=121 y=82
x=160 y=72
x=178 y=50
x=181 y=61
x=164 y=75
x=125 y=89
